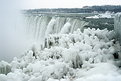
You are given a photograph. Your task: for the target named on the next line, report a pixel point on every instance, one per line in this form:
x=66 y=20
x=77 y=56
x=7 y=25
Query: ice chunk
x=5 y=67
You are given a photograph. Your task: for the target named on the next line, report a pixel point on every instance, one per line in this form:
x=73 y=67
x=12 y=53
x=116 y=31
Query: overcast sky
x=67 y=3
x=55 y=3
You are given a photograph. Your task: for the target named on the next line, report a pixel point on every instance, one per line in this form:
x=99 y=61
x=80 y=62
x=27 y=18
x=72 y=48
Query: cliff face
x=117 y=26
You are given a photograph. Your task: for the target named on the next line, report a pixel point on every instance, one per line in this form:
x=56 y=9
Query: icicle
x=4 y=67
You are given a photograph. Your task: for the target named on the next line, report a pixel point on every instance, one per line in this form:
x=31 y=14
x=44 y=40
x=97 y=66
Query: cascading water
x=40 y=26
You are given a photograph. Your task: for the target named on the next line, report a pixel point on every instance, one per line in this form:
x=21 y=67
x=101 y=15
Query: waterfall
x=50 y=27
x=65 y=28
x=40 y=26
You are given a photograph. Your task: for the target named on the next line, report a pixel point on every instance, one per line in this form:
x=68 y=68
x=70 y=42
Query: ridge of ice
x=77 y=56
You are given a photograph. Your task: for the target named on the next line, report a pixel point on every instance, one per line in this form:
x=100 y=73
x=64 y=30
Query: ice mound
x=107 y=14
x=91 y=55
x=4 y=67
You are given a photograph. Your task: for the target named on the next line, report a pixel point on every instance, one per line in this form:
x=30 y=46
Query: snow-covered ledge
x=117 y=26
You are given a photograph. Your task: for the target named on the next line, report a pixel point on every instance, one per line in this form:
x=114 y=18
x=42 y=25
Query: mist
x=12 y=38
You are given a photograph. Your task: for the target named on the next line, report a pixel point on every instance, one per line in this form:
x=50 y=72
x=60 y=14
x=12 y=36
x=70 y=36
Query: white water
x=39 y=27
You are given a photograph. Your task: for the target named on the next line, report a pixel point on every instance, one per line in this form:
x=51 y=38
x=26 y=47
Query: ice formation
x=107 y=14
x=91 y=55
x=5 y=67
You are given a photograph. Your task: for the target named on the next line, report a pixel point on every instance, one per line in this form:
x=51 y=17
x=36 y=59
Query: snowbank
x=103 y=15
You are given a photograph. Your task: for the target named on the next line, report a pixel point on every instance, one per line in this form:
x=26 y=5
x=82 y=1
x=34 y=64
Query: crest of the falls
x=40 y=26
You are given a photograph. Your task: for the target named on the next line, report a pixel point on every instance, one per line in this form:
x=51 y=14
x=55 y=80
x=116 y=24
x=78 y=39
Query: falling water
x=40 y=26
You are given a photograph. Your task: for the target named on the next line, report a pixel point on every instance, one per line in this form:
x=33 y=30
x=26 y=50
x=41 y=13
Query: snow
x=77 y=56
x=3 y=77
x=100 y=78
x=107 y=14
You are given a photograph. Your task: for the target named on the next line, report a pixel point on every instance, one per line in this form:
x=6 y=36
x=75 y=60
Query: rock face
x=117 y=26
